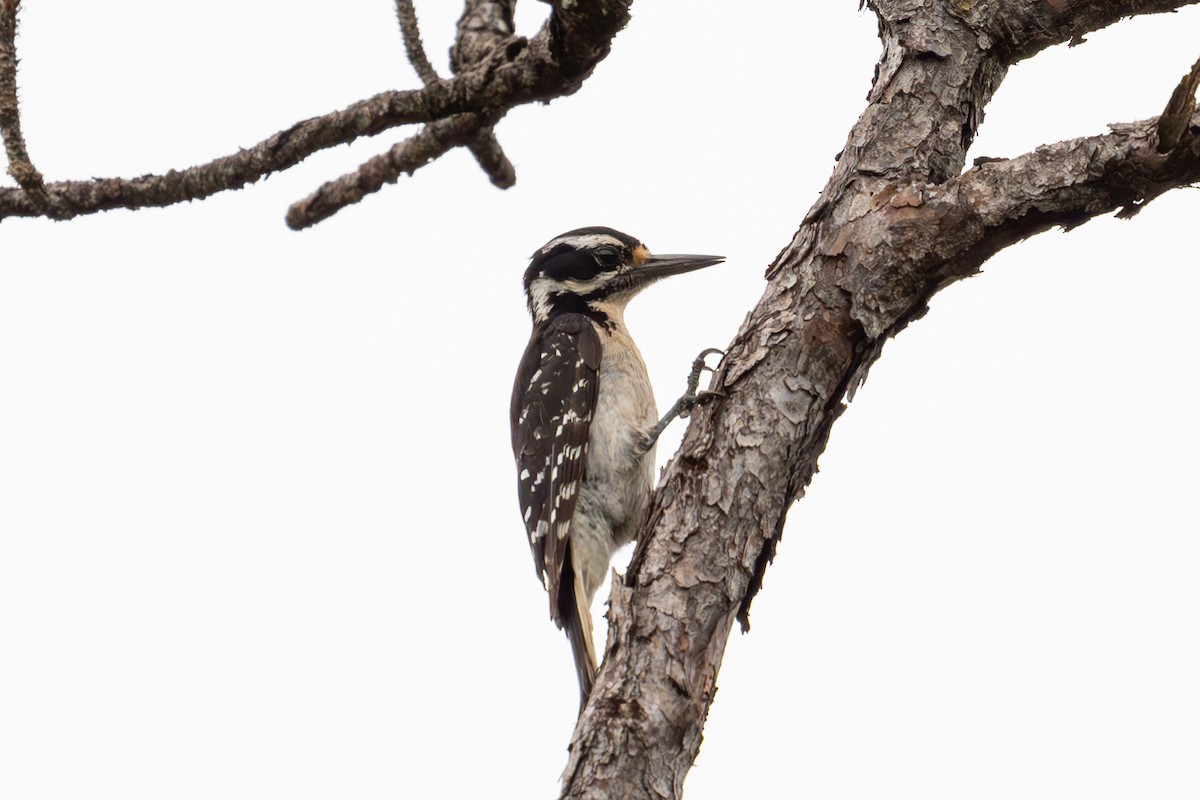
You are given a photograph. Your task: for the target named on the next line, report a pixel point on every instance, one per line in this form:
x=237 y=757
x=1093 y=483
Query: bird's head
x=596 y=271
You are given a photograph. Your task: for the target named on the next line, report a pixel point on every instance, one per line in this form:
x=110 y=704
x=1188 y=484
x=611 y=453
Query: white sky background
x=258 y=527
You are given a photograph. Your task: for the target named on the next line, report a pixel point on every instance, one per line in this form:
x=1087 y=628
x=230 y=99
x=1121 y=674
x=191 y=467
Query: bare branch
x=492 y=160
x=484 y=27
x=404 y=158
x=19 y=165
x=520 y=72
x=957 y=53
x=434 y=141
x=1174 y=121
x=485 y=147
x=282 y=150
x=412 y=42
x=1004 y=201
x=1024 y=29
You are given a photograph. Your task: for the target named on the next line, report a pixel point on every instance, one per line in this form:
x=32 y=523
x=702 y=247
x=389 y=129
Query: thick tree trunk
x=897 y=221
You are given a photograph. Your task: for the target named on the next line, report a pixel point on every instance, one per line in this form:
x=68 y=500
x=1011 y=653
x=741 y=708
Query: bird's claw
x=689 y=402
x=698 y=366
x=699 y=363
x=691 y=398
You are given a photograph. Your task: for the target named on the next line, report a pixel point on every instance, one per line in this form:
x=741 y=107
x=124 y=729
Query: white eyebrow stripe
x=585 y=241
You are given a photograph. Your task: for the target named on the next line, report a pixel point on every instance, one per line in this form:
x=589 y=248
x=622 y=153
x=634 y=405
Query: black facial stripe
x=579 y=270
x=575 y=304
x=563 y=263
x=619 y=283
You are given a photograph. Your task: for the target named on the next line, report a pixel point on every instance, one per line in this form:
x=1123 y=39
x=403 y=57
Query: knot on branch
x=484 y=26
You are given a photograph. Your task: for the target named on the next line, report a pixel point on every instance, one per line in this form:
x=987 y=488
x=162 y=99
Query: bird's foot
x=694 y=396
x=691 y=398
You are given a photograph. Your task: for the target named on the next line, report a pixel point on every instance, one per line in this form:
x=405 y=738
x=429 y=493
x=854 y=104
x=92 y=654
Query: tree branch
x=939 y=234
x=1022 y=29
x=19 y=165
x=407 y=16
x=407 y=157
x=434 y=141
x=282 y=150
x=484 y=146
x=896 y=222
x=485 y=27
x=522 y=72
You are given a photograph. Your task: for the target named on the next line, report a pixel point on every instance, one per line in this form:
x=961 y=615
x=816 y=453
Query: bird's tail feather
x=576 y=616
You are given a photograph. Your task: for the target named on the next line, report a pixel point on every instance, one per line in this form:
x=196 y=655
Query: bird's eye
x=608 y=256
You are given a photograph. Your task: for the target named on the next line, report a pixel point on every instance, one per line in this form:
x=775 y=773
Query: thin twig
x=412 y=42
x=434 y=141
x=491 y=159
x=19 y=165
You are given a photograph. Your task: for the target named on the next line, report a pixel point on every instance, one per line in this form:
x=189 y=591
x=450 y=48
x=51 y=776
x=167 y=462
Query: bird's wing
x=552 y=406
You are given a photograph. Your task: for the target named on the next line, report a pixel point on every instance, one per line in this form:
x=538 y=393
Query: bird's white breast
x=618 y=481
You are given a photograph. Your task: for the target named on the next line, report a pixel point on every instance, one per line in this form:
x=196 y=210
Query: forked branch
x=473 y=131
x=554 y=63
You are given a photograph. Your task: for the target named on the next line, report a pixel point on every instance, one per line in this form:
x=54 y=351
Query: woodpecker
x=584 y=421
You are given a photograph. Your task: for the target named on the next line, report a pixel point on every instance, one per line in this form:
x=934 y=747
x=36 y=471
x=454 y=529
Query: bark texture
x=898 y=220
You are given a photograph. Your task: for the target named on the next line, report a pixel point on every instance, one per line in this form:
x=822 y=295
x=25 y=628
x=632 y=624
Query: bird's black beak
x=655 y=267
